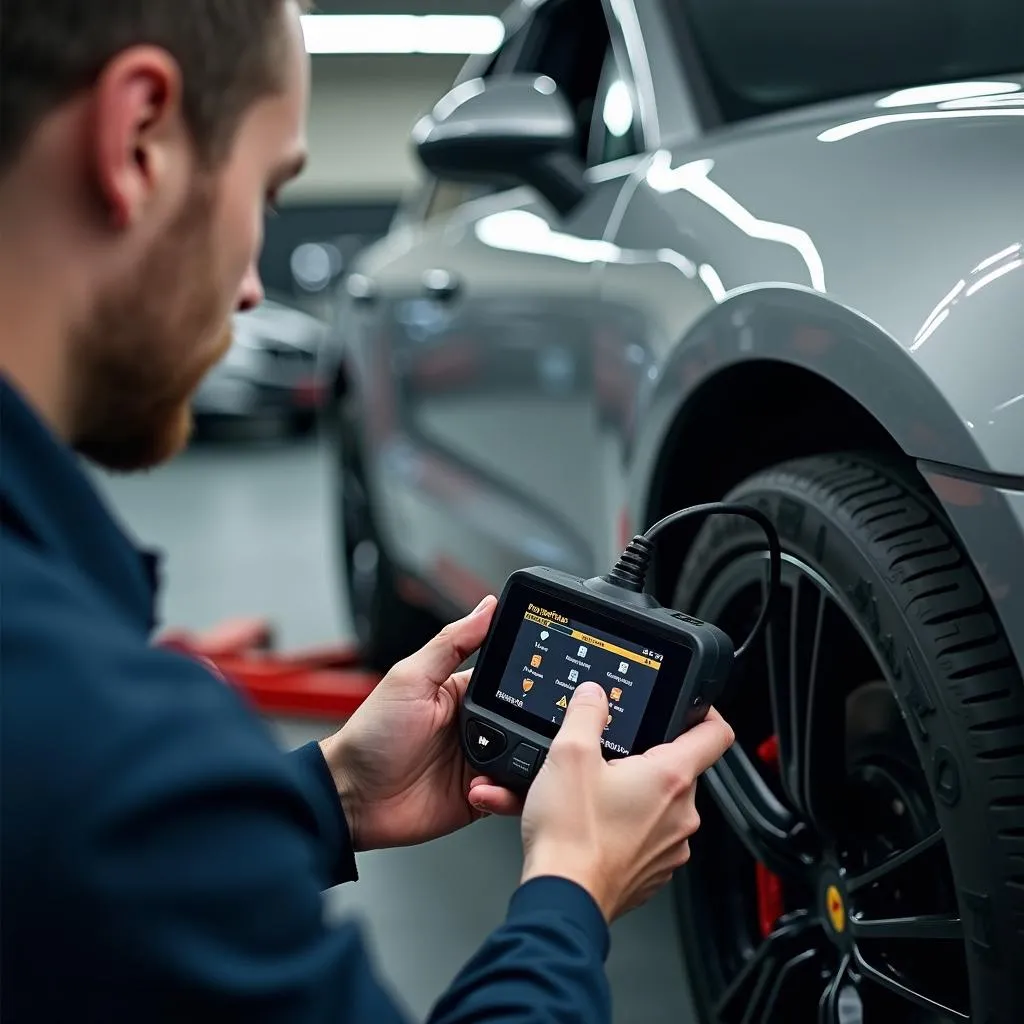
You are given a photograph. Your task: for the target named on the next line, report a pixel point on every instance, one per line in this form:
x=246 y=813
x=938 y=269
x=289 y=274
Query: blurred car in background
x=675 y=250
x=270 y=373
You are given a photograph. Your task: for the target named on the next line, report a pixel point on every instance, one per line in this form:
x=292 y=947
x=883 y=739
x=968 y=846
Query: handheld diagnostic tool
x=661 y=669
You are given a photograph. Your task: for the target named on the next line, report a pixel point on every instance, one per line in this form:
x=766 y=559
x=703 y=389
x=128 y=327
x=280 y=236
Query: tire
x=941 y=713
x=387 y=628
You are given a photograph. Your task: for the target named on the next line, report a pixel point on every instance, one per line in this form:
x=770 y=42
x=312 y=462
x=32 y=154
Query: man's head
x=140 y=142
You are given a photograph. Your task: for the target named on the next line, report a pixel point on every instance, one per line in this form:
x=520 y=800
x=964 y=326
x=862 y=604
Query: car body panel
x=520 y=413
x=490 y=397
x=921 y=261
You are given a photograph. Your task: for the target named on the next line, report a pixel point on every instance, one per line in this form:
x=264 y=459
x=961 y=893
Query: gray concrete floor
x=244 y=527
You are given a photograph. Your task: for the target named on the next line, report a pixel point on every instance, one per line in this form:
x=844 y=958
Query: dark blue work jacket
x=162 y=859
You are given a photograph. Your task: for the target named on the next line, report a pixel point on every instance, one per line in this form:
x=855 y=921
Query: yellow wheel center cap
x=835 y=908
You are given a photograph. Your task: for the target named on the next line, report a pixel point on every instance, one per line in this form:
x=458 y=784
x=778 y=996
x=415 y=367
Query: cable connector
x=630 y=571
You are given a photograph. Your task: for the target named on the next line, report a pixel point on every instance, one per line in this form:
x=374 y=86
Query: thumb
x=440 y=657
x=586 y=716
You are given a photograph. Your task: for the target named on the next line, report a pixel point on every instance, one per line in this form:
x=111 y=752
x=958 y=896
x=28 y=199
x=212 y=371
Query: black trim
x=1004 y=481
x=693 y=69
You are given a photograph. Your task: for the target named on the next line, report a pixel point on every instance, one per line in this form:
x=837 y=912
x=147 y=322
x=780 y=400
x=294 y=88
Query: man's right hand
x=617 y=828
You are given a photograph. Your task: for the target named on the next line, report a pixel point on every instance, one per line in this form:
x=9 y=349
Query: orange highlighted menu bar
x=593 y=641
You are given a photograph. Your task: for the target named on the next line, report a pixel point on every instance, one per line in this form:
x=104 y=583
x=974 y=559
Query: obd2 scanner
x=661 y=669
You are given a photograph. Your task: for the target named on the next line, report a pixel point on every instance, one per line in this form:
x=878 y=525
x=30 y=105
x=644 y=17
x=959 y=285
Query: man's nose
x=251 y=293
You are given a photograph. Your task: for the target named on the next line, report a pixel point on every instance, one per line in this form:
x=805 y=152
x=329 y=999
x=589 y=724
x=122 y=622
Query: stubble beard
x=153 y=339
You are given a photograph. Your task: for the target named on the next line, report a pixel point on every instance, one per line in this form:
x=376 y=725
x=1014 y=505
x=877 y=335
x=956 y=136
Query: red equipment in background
x=326 y=682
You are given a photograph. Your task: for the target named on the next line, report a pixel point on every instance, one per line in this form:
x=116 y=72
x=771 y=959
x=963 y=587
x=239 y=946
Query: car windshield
x=761 y=56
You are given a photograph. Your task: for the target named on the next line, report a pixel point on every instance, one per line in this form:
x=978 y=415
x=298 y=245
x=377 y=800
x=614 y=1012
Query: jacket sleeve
x=193 y=856
x=309 y=764
x=546 y=962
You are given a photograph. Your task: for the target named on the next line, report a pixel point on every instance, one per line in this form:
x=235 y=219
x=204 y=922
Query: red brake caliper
x=770 y=904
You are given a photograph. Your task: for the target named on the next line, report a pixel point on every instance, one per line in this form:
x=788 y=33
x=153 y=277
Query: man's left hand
x=397 y=763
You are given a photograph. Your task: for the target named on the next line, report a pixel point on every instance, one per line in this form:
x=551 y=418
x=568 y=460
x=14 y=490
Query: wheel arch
x=775 y=373
x=780 y=398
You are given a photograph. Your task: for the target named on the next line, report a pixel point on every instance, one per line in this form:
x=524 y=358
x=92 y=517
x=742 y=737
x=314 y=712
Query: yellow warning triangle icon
x=563 y=703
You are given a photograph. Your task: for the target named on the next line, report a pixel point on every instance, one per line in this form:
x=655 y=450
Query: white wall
x=361 y=113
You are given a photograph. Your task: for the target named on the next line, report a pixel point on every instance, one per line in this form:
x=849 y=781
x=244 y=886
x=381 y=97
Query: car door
x=496 y=332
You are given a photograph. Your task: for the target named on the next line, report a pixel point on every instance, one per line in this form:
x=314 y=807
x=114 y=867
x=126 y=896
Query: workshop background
x=243 y=519
x=766 y=249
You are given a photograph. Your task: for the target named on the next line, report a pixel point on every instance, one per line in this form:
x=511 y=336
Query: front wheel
x=862 y=852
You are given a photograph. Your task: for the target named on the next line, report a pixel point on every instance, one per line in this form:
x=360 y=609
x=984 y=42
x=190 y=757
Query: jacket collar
x=48 y=498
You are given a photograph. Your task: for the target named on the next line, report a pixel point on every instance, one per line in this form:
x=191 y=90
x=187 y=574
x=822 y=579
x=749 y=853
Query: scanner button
x=484 y=741
x=524 y=759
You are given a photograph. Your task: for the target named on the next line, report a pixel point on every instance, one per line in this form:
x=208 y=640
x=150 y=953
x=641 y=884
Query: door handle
x=361 y=289
x=441 y=285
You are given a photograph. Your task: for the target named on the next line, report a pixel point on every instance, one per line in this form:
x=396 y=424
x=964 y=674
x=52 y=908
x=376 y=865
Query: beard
x=149 y=344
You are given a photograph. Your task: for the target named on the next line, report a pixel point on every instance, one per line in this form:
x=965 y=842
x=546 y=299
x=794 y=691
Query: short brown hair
x=52 y=49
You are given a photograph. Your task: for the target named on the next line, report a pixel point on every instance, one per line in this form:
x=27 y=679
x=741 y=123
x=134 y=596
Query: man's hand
x=397 y=763
x=617 y=828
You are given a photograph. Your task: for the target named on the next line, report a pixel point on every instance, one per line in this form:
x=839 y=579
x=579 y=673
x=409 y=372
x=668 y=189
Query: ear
x=139 y=133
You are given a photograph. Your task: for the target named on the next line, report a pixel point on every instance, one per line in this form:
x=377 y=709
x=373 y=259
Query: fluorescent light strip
x=402 y=33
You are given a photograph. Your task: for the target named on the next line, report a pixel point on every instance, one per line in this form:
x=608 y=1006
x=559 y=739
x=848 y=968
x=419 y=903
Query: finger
x=700 y=747
x=586 y=716
x=495 y=800
x=697 y=749
x=461 y=682
x=452 y=646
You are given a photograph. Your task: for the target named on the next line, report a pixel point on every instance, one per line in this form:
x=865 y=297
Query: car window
x=760 y=57
x=615 y=131
x=568 y=41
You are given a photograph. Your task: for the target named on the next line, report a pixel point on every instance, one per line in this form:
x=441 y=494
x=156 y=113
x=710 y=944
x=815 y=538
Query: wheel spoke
x=911 y=995
x=763 y=1014
x=753 y=980
x=925 y=926
x=769 y=831
x=828 y=1005
x=780 y=690
x=764 y=979
x=821 y=670
x=893 y=863
x=808 y=714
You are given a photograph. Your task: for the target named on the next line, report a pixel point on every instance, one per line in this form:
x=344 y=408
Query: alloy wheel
x=821 y=884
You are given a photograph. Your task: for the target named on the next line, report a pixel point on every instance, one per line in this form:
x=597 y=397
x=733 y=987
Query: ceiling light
x=402 y=33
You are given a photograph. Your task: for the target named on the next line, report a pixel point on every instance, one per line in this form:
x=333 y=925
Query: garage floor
x=244 y=527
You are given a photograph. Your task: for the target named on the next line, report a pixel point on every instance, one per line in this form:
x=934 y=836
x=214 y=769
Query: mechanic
x=162 y=858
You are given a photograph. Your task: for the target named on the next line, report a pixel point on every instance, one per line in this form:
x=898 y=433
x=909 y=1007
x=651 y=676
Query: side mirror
x=512 y=130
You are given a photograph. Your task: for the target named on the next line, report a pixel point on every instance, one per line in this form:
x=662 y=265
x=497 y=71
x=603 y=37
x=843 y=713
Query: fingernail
x=480 y=607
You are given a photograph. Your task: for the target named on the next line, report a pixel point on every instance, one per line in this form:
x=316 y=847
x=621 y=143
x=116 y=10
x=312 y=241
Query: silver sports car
x=676 y=250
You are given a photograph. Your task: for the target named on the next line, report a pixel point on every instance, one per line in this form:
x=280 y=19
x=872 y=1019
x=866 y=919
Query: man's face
x=164 y=319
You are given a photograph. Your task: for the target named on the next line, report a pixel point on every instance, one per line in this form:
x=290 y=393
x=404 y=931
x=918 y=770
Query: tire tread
x=892 y=517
